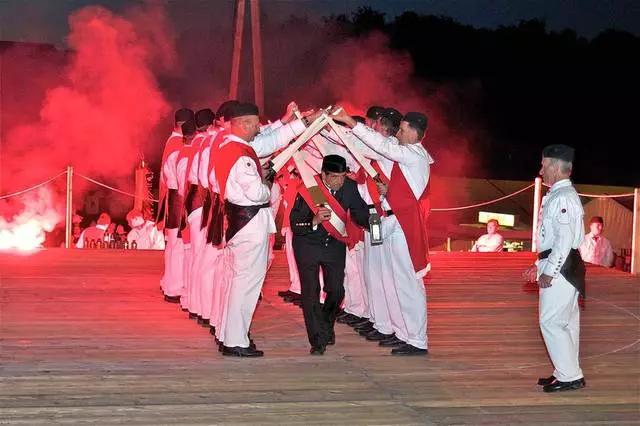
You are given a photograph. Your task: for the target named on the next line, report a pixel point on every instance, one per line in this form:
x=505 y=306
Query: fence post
x=635 y=241
x=537 y=197
x=69 y=212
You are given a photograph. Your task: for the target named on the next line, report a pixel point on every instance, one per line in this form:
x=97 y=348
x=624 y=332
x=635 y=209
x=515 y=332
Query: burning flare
x=26 y=230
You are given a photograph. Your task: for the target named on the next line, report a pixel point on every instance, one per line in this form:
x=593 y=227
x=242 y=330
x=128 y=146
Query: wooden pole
x=635 y=241
x=69 y=213
x=237 y=49
x=537 y=197
x=256 y=42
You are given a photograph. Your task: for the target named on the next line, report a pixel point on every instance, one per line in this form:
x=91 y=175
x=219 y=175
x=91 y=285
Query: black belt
x=573 y=269
x=193 y=199
x=239 y=216
x=174 y=209
x=386 y=212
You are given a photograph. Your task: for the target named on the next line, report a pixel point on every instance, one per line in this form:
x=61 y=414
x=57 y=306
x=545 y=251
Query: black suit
x=317 y=248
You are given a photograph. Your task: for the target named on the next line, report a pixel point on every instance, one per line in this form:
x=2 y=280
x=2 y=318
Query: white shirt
x=488 y=243
x=147 y=237
x=169 y=175
x=413 y=159
x=560 y=226
x=597 y=250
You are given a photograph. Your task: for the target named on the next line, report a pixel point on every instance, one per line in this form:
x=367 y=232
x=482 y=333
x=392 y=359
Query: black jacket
x=301 y=216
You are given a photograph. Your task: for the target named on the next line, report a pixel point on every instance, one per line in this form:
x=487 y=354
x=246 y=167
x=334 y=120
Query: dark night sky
x=46 y=20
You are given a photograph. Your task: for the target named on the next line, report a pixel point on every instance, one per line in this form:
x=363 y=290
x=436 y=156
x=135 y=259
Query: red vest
x=412 y=215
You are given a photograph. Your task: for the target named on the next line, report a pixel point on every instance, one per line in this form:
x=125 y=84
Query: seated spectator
x=491 y=241
x=595 y=248
x=95 y=232
x=144 y=232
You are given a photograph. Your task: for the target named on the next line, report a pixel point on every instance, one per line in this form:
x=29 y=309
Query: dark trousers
x=320 y=320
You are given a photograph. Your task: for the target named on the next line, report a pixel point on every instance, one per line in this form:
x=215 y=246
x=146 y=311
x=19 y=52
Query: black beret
x=334 y=164
x=224 y=110
x=242 y=109
x=374 y=112
x=204 y=117
x=188 y=128
x=559 y=152
x=393 y=115
x=417 y=120
x=183 y=114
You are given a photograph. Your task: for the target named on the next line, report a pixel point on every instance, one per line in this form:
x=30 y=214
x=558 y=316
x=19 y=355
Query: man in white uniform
x=404 y=256
x=491 y=241
x=170 y=211
x=236 y=169
x=595 y=248
x=560 y=270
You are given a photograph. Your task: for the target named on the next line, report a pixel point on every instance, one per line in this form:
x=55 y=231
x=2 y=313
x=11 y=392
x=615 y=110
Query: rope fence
x=444 y=209
x=104 y=185
x=24 y=191
x=486 y=203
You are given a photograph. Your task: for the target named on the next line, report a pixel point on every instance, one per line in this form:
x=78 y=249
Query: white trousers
x=560 y=326
x=294 y=287
x=356 y=301
x=173 y=278
x=249 y=252
x=376 y=272
x=194 y=284
x=185 y=297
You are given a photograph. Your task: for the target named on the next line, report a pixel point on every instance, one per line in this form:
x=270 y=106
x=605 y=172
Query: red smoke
x=99 y=118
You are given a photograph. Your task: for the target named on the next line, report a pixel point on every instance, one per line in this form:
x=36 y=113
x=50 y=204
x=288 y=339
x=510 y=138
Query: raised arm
x=267 y=143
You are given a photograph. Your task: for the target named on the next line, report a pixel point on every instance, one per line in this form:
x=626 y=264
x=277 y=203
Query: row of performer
x=355 y=196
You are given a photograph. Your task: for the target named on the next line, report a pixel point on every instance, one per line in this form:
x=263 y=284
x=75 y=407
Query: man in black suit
x=317 y=243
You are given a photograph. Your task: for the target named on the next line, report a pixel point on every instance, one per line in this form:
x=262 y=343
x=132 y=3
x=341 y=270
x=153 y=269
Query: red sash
x=225 y=157
x=173 y=144
x=354 y=232
x=288 y=198
x=412 y=215
x=363 y=178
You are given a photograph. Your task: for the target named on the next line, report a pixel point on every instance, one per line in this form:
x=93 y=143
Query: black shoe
x=391 y=342
x=185 y=310
x=297 y=302
x=408 y=349
x=317 y=350
x=193 y=316
x=544 y=381
x=290 y=298
x=363 y=322
x=558 y=386
x=241 y=352
x=376 y=336
x=205 y=322
x=200 y=320
x=341 y=314
x=367 y=326
x=348 y=319
x=172 y=299
x=284 y=293
x=212 y=330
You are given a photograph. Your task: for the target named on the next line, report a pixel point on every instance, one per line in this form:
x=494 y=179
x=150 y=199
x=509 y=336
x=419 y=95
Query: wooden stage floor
x=87 y=339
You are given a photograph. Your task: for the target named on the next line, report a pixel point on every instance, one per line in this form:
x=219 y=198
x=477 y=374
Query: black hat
x=374 y=112
x=204 y=117
x=242 y=109
x=597 y=219
x=393 y=115
x=224 y=110
x=188 y=128
x=417 y=120
x=183 y=114
x=559 y=152
x=359 y=118
x=334 y=164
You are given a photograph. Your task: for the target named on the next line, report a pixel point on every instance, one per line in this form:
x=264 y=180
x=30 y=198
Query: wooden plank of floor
x=86 y=339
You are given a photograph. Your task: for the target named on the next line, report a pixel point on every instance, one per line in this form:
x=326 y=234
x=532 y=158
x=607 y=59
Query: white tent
x=618 y=221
